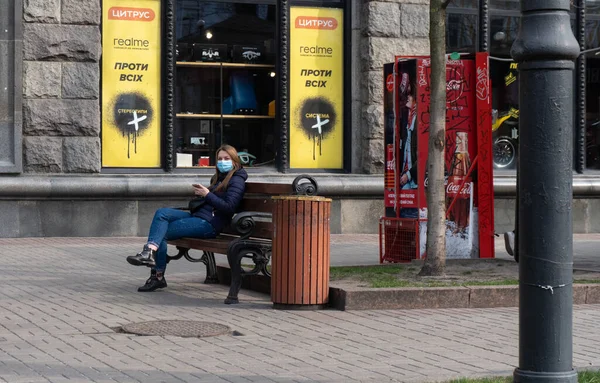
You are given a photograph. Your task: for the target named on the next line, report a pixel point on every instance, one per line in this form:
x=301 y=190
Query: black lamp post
x=545 y=50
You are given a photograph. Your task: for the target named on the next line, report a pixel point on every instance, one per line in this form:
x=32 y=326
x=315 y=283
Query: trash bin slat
x=298 y=228
x=301 y=245
x=307 y=230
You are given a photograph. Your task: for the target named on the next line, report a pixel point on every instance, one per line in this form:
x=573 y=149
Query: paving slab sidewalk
x=61 y=297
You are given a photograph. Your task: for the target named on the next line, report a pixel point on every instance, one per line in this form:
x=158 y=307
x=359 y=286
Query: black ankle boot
x=153 y=283
x=143 y=258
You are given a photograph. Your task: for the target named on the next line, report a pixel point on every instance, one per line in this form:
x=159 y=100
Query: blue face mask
x=224 y=166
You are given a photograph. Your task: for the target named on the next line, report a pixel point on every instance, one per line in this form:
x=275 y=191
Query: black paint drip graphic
x=317 y=119
x=133 y=114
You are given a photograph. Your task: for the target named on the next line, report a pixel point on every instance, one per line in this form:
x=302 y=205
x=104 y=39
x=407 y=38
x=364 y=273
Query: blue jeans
x=169 y=224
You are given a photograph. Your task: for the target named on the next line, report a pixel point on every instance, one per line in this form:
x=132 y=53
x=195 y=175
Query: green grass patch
x=389 y=281
x=404 y=275
x=582 y=377
x=340 y=272
x=588 y=377
x=399 y=275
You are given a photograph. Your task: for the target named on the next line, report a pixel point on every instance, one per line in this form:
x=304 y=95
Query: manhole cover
x=181 y=328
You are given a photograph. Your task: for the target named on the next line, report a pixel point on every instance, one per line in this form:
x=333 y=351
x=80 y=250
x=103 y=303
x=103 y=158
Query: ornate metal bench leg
x=235 y=264
x=182 y=252
x=208 y=258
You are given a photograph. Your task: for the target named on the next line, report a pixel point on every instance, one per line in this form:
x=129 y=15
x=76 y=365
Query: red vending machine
x=469 y=178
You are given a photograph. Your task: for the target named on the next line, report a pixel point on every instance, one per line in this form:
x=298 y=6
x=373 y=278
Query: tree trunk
x=435 y=262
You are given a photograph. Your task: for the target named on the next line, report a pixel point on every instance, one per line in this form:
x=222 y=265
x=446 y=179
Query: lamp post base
x=521 y=376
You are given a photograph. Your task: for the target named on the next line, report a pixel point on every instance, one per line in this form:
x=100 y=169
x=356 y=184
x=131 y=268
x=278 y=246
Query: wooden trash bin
x=300 y=258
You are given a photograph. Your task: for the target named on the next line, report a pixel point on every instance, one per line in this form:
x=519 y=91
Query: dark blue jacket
x=220 y=206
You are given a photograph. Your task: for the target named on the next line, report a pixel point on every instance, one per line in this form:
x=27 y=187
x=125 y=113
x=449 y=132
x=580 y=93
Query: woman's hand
x=403 y=180
x=200 y=190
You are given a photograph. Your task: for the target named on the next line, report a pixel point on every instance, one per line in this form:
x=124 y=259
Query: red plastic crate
x=398 y=239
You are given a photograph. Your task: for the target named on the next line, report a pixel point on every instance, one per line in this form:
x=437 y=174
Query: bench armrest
x=309 y=188
x=243 y=223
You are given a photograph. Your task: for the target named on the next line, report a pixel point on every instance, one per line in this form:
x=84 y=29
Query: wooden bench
x=248 y=237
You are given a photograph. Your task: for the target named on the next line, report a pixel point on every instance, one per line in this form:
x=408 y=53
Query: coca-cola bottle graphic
x=459 y=168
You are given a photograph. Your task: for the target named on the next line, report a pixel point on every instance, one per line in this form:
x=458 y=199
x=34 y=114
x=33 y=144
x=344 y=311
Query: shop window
x=12 y=90
x=505 y=113
x=225 y=81
x=461 y=32
x=510 y=5
x=593 y=113
x=504 y=30
x=592 y=34
x=503 y=33
x=592 y=37
x=592 y=7
x=505 y=89
x=472 y=4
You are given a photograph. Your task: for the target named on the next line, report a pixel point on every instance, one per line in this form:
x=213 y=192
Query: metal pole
x=545 y=50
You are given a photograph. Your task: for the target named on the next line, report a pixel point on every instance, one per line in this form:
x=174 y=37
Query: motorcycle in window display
x=246 y=158
x=506 y=134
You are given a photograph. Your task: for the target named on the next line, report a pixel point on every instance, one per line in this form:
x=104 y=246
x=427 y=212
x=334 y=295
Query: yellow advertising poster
x=316 y=88
x=131 y=83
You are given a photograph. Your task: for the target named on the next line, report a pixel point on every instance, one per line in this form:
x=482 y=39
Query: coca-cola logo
x=390 y=165
x=452 y=186
x=455 y=84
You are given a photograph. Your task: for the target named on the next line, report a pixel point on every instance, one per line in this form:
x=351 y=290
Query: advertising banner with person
x=407 y=139
x=468 y=155
x=316 y=88
x=389 y=135
x=131 y=82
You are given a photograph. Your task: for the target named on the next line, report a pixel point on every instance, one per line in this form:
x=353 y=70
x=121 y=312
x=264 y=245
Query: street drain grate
x=181 y=328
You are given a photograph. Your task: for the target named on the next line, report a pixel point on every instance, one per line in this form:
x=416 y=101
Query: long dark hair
x=237 y=165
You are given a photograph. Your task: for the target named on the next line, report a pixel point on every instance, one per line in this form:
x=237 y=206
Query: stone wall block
x=81 y=12
x=415 y=20
x=381 y=50
x=374 y=163
x=382 y=19
x=81 y=155
x=42 y=154
x=375 y=87
x=48 y=117
x=49 y=42
x=41 y=79
x=81 y=80
x=373 y=119
x=41 y=11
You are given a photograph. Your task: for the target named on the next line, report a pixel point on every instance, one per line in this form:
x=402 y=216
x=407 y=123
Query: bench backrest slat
x=263 y=204
x=268 y=189
x=258 y=198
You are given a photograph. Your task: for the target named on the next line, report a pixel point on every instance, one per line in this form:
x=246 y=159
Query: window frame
x=15 y=164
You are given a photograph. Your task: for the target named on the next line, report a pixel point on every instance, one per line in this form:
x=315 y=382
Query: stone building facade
x=52 y=182
x=61 y=86
x=61 y=79
x=387 y=28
